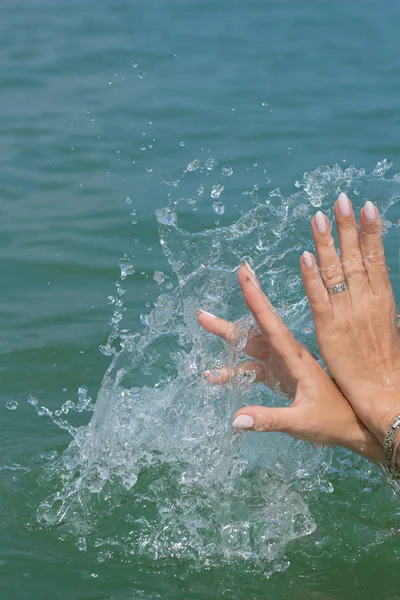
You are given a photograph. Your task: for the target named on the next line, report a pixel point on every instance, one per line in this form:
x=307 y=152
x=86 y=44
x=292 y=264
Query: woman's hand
x=319 y=411
x=356 y=328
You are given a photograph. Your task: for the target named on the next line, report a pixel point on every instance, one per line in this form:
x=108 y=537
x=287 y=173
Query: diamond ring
x=338 y=288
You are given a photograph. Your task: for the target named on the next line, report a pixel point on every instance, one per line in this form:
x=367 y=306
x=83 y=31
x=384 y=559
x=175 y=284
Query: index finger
x=280 y=337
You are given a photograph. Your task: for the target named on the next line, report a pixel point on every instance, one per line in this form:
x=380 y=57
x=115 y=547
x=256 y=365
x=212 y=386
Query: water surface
x=101 y=103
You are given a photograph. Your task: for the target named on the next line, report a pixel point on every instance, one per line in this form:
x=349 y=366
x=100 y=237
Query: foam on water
x=158 y=454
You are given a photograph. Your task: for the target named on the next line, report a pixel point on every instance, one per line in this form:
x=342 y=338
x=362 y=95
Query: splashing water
x=158 y=454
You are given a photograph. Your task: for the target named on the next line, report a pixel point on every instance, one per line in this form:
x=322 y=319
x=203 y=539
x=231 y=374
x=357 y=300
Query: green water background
x=281 y=86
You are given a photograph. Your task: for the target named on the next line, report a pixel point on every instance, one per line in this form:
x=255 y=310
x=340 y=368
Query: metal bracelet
x=388 y=445
x=394 y=470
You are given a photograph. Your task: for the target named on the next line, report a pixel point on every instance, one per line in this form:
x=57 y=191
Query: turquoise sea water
x=103 y=107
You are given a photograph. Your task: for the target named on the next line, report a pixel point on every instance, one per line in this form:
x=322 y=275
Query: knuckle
x=376 y=258
x=347 y=224
x=372 y=228
x=354 y=274
x=333 y=275
x=319 y=299
x=328 y=243
x=266 y=423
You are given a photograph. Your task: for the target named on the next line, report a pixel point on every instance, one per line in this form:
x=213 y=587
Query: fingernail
x=369 y=211
x=307 y=258
x=344 y=205
x=242 y=422
x=249 y=268
x=320 y=222
x=252 y=277
x=204 y=312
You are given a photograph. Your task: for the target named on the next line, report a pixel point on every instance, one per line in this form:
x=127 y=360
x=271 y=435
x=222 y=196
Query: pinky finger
x=317 y=293
x=254 y=370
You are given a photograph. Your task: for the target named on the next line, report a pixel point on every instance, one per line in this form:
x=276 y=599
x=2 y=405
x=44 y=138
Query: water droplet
x=200 y=191
x=211 y=164
x=32 y=400
x=194 y=165
x=67 y=406
x=88 y=111
x=265 y=103
x=227 y=171
x=143 y=147
x=159 y=277
x=43 y=410
x=144 y=319
x=12 y=405
x=141 y=74
x=182 y=144
x=219 y=208
x=110 y=300
x=217 y=190
x=128 y=200
x=316 y=201
x=81 y=544
x=135 y=64
x=166 y=216
x=382 y=167
x=275 y=193
x=126 y=267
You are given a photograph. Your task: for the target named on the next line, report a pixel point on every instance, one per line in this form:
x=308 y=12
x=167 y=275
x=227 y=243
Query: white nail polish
x=249 y=268
x=369 y=211
x=320 y=222
x=204 y=312
x=307 y=258
x=344 y=205
x=242 y=422
x=252 y=275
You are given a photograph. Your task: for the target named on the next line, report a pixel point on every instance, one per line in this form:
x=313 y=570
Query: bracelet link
x=389 y=451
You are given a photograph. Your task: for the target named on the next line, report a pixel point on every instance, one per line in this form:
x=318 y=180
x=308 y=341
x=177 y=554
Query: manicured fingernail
x=249 y=268
x=320 y=222
x=344 y=205
x=204 y=312
x=242 y=422
x=307 y=258
x=369 y=211
x=252 y=276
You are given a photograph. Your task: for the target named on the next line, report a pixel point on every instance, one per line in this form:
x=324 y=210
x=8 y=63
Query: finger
x=262 y=418
x=350 y=250
x=251 y=370
x=316 y=292
x=372 y=248
x=223 y=329
x=328 y=260
x=260 y=306
x=232 y=333
x=279 y=336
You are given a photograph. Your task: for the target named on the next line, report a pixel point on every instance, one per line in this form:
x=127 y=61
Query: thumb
x=262 y=418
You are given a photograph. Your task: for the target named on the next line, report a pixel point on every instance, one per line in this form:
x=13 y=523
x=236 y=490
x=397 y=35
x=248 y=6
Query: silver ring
x=338 y=288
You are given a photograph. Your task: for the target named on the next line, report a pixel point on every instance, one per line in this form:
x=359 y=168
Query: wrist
x=386 y=416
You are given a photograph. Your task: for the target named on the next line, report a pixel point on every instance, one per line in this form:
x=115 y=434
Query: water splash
x=158 y=454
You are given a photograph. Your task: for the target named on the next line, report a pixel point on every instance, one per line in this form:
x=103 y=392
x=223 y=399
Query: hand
x=319 y=411
x=356 y=329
